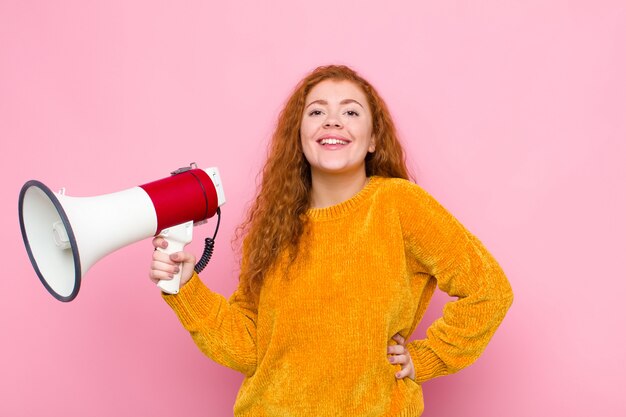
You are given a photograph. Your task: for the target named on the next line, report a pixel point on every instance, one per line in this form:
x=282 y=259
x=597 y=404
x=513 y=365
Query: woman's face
x=336 y=130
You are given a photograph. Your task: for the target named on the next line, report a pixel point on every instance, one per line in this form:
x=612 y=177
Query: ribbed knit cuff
x=193 y=302
x=426 y=363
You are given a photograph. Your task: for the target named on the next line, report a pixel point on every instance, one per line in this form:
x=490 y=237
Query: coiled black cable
x=209 y=242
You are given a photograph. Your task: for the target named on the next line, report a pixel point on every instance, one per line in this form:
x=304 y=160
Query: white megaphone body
x=65 y=236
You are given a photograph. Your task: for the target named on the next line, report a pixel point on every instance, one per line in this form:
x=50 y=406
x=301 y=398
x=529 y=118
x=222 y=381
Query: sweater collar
x=345 y=207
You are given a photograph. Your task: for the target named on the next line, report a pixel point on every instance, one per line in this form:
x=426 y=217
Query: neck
x=331 y=189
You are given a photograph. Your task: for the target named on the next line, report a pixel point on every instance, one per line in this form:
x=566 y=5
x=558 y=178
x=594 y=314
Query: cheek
x=305 y=144
x=306 y=130
x=307 y=138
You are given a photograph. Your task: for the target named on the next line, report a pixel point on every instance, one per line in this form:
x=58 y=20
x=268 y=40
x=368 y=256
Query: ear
x=372 y=146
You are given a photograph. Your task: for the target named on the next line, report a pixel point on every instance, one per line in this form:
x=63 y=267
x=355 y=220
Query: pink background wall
x=513 y=115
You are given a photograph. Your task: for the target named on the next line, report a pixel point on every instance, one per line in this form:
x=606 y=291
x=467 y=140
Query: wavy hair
x=277 y=217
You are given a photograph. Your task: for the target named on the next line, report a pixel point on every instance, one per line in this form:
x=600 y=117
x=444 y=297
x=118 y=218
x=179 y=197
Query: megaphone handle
x=177 y=238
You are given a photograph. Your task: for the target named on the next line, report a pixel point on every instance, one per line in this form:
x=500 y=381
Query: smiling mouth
x=333 y=141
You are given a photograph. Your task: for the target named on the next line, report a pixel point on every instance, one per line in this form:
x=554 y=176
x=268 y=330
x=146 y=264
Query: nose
x=332 y=121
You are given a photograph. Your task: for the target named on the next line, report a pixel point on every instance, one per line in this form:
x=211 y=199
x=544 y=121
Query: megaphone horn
x=65 y=236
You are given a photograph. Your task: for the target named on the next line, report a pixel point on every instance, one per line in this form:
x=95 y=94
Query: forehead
x=336 y=90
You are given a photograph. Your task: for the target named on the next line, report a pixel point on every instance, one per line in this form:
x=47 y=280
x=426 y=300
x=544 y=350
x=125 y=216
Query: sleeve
x=463 y=268
x=224 y=330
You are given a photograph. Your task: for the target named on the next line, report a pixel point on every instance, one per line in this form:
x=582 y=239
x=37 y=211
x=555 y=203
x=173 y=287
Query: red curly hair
x=277 y=218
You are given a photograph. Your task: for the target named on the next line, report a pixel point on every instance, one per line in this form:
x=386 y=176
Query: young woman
x=341 y=255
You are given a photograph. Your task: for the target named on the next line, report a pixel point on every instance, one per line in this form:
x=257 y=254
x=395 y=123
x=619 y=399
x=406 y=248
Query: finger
x=165 y=267
x=395 y=349
x=156 y=275
x=182 y=257
x=398 y=338
x=403 y=373
x=401 y=359
x=162 y=257
x=159 y=242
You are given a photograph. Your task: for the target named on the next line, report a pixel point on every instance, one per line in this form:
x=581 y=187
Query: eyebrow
x=344 y=101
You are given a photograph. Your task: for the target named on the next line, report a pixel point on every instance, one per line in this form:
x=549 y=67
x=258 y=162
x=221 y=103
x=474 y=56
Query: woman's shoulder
x=406 y=196
x=399 y=187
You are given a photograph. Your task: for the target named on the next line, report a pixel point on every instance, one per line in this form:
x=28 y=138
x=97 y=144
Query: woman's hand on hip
x=399 y=354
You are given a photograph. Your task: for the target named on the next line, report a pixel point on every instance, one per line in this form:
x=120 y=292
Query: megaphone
x=65 y=236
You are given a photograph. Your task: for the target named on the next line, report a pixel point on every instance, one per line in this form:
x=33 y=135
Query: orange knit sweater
x=317 y=343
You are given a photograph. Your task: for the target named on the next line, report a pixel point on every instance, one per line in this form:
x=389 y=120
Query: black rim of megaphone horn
x=70 y=235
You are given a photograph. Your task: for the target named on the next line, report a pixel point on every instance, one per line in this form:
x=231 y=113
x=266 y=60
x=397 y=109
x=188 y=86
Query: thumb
x=188 y=263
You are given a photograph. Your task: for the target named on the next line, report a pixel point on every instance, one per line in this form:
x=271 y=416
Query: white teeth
x=332 y=141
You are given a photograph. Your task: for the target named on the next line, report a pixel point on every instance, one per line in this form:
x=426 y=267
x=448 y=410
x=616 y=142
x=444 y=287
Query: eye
x=352 y=113
x=315 y=112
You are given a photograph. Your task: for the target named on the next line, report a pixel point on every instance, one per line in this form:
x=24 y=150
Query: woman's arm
x=463 y=268
x=224 y=330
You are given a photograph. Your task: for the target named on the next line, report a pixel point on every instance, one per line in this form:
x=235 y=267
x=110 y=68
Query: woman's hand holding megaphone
x=164 y=266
